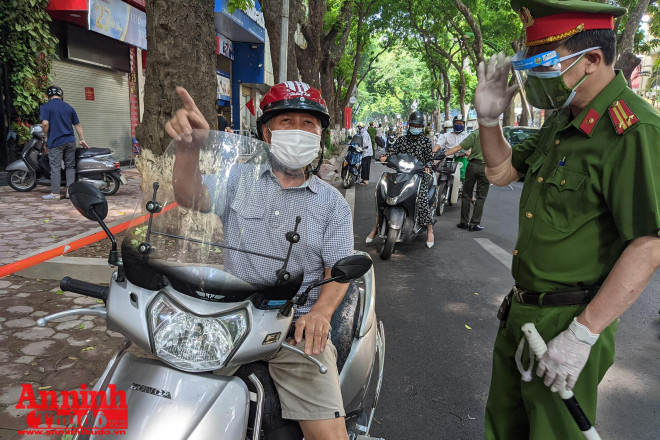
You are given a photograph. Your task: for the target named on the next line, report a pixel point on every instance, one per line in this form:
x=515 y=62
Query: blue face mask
x=415 y=131
x=459 y=128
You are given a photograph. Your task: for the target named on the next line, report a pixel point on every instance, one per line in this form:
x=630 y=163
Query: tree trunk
x=181 y=52
x=525 y=117
x=272 y=11
x=627 y=62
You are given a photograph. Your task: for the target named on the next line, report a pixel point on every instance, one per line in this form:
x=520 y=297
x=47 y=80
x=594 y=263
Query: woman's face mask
x=546 y=89
x=459 y=128
x=294 y=148
x=415 y=131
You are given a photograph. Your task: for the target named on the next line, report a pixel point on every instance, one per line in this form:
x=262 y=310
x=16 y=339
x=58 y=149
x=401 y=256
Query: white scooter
x=206 y=331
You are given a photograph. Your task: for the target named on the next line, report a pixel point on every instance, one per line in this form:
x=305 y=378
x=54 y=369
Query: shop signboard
x=225 y=46
x=118 y=20
x=89 y=93
x=224 y=85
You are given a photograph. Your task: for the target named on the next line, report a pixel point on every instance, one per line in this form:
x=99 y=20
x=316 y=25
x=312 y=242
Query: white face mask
x=294 y=148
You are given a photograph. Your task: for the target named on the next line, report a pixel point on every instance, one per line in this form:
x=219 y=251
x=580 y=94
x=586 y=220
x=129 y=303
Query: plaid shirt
x=257 y=212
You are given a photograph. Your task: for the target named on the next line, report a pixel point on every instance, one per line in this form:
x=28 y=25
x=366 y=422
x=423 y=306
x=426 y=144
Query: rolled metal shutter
x=106 y=121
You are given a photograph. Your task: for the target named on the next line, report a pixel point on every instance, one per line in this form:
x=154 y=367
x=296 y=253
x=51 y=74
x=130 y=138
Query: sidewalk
x=29 y=224
x=70 y=351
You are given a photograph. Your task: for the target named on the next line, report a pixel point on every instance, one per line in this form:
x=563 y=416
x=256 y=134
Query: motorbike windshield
x=213 y=223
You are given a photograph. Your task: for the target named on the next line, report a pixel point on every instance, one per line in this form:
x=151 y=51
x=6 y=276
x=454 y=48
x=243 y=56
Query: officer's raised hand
x=567 y=355
x=493 y=93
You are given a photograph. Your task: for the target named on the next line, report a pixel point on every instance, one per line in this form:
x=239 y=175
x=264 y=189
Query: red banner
x=347 y=117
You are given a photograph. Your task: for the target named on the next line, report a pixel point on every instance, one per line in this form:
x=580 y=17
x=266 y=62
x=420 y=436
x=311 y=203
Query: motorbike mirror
x=88 y=200
x=350 y=268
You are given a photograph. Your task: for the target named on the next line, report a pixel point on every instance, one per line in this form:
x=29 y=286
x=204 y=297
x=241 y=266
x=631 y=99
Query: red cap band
x=557 y=27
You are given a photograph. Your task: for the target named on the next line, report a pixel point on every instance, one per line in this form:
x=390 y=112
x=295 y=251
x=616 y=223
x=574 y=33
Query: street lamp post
x=284 y=41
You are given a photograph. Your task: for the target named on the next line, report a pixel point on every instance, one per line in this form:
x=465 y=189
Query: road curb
x=92 y=270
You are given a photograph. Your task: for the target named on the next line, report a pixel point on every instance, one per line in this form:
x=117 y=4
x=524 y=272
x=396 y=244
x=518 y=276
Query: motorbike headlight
x=406 y=166
x=194 y=343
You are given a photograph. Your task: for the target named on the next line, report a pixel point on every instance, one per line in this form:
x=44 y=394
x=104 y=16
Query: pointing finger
x=188 y=102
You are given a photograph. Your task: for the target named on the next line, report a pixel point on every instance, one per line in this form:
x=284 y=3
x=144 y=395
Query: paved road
x=438 y=372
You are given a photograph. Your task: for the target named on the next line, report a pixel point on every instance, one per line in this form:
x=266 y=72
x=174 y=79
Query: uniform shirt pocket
x=564 y=199
x=533 y=164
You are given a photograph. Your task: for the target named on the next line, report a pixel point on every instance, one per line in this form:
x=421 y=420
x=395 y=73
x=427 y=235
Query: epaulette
x=622 y=117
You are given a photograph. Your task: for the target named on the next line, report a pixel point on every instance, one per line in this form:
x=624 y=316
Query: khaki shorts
x=305 y=393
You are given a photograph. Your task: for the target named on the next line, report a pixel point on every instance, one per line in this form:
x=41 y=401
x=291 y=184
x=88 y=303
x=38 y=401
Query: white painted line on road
x=496 y=251
x=350 y=198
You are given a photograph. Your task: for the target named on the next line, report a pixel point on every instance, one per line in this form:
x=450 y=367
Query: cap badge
x=526 y=17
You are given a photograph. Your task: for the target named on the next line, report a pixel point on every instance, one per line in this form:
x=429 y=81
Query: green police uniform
x=474 y=175
x=591 y=187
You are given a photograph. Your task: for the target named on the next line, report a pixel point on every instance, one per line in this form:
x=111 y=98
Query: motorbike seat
x=345 y=323
x=91 y=152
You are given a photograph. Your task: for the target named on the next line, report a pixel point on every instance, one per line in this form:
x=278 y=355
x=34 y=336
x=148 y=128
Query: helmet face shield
x=541 y=77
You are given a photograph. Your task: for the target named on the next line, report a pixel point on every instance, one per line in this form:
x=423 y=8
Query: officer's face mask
x=542 y=78
x=294 y=148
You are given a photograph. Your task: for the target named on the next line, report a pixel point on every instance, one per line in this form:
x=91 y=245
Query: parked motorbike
x=350 y=170
x=396 y=195
x=94 y=165
x=448 y=178
x=206 y=328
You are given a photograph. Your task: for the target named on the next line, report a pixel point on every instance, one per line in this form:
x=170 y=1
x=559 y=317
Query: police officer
x=475 y=176
x=588 y=220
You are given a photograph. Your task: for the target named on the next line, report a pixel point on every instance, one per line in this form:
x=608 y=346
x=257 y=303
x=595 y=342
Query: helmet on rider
x=459 y=123
x=54 y=91
x=416 y=123
x=448 y=124
x=293 y=146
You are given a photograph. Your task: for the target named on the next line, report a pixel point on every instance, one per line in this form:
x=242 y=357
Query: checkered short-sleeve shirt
x=257 y=213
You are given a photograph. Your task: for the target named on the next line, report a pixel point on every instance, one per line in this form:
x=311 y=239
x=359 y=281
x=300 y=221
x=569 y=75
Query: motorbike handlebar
x=84 y=288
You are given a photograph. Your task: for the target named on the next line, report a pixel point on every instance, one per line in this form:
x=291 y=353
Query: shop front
x=99 y=61
x=243 y=52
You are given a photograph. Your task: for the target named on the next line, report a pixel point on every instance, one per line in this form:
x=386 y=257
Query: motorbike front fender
x=18 y=165
x=163 y=402
x=395 y=216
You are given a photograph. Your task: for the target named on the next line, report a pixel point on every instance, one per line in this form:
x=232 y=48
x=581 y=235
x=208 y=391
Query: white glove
x=493 y=95
x=567 y=355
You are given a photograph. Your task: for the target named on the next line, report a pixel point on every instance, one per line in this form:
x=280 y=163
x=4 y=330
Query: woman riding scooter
x=418 y=145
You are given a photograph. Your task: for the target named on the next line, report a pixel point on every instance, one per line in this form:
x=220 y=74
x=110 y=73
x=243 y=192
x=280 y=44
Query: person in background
x=453 y=137
x=418 y=145
x=367 y=153
x=372 y=132
x=588 y=224
x=58 y=120
x=475 y=175
x=223 y=123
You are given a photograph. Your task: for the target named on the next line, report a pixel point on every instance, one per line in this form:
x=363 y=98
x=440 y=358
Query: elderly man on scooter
x=293 y=120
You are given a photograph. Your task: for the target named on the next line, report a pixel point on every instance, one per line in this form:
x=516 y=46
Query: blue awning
x=240 y=26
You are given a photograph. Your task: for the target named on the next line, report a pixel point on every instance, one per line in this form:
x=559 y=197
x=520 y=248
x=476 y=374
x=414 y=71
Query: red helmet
x=294 y=96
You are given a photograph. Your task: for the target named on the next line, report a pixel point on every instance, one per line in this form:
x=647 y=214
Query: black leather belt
x=573 y=297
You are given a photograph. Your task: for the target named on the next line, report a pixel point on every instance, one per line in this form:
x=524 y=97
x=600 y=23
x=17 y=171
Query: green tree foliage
x=398 y=80
x=28 y=50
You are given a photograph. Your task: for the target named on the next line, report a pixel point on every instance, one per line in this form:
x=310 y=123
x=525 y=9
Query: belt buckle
x=517 y=294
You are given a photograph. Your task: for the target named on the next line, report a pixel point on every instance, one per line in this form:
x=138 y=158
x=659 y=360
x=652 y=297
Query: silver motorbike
x=204 y=325
x=95 y=166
